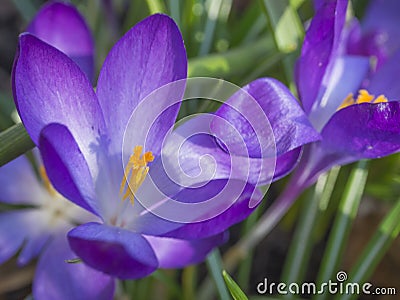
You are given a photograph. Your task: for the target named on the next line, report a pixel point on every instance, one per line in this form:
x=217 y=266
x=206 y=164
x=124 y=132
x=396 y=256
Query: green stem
x=259 y=231
x=156 y=6
x=377 y=247
x=300 y=248
x=302 y=242
x=214 y=264
x=244 y=269
x=265 y=224
x=14 y=142
x=347 y=211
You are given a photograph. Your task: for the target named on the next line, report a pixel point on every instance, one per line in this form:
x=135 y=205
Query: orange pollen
x=363 y=97
x=135 y=172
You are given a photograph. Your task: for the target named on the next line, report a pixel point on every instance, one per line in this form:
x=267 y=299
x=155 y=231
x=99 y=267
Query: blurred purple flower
x=40 y=229
x=61 y=25
x=354 y=108
x=378 y=34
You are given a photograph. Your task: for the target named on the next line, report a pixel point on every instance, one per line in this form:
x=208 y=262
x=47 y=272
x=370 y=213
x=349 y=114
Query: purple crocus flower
x=378 y=34
x=354 y=108
x=81 y=133
x=62 y=26
x=40 y=229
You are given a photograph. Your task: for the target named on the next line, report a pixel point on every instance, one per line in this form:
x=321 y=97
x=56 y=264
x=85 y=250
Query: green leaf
x=376 y=248
x=14 y=142
x=296 y=3
x=300 y=249
x=212 y=17
x=287 y=29
x=233 y=288
x=286 y=24
x=344 y=219
x=233 y=62
x=249 y=26
x=7 y=108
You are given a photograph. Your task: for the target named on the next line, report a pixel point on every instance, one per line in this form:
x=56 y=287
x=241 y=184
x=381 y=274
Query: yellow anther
x=349 y=100
x=363 y=97
x=137 y=169
x=381 y=99
x=46 y=181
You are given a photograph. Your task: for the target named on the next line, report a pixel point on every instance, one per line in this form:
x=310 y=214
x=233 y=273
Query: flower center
x=135 y=172
x=363 y=97
x=58 y=208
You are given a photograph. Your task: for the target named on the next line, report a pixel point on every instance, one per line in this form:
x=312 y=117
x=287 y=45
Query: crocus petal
x=191 y=155
x=346 y=76
x=289 y=123
x=382 y=16
x=19 y=184
x=319 y=49
x=57 y=279
x=363 y=131
x=113 y=250
x=242 y=207
x=384 y=81
x=176 y=253
x=66 y=167
x=15 y=227
x=366 y=44
x=33 y=245
x=318 y=3
x=147 y=57
x=286 y=163
x=62 y=26
x=55 y=91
